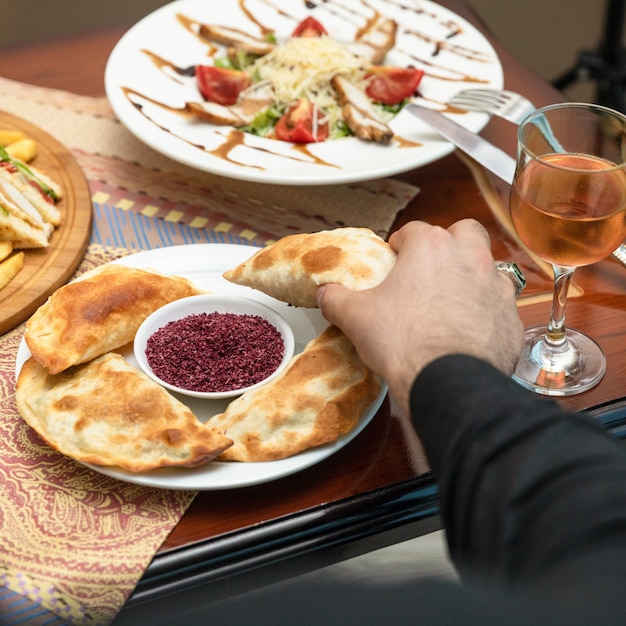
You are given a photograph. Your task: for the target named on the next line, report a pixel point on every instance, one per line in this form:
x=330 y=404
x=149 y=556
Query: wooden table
x=377 y=490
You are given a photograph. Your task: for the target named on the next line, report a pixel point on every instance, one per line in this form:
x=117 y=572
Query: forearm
x=529 y=493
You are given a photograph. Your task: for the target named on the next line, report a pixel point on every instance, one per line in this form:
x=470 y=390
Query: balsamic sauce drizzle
x=233 y=137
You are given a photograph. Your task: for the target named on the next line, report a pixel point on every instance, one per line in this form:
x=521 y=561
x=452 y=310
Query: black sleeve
x=532 y=497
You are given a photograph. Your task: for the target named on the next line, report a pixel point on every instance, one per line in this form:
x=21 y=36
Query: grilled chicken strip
x=253 y=100
x=376 y=41
x=236 y=38
x=358 y=112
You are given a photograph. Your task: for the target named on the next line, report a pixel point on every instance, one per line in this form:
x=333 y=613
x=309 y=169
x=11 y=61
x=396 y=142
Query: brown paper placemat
x=111 y=156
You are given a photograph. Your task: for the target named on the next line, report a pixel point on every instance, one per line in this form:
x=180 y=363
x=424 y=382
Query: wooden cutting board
x=47 y=269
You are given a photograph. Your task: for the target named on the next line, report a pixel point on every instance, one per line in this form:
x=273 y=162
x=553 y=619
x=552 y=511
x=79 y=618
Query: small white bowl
x=210 y=303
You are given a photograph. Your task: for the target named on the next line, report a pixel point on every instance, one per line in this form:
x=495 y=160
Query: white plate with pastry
x=150 y=80
x=203 y=265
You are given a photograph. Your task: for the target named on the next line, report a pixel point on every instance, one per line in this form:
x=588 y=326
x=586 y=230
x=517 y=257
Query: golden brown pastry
x=292 y=268
x=319 y=397
x=98 y=313
x=107 y=412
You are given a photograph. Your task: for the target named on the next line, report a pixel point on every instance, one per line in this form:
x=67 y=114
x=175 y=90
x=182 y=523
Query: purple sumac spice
x=215 y=352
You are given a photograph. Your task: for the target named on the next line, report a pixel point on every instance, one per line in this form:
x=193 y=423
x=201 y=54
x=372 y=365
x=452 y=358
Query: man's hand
x=444 y=296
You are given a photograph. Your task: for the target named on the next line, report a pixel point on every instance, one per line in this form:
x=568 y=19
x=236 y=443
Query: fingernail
x=320 y=294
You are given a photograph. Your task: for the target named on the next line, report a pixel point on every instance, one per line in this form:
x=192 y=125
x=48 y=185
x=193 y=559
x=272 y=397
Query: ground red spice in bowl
x=215 y=352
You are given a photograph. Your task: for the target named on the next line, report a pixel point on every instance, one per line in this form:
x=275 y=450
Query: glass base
x=575 y=367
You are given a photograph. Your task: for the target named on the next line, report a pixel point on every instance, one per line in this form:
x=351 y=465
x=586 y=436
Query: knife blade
x=488 y=155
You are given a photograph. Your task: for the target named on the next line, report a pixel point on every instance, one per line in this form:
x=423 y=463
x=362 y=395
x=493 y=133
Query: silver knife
x=488 y=155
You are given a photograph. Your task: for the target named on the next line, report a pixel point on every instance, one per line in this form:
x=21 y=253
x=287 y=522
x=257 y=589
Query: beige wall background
x=27 y=21
x=546 y=34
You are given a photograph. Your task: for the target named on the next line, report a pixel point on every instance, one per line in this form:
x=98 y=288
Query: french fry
x=24 y=149
x=6 y=247
x=10 y=267
x=10 y=136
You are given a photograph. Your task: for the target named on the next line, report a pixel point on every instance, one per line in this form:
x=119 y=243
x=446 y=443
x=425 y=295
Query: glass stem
x=555 y=335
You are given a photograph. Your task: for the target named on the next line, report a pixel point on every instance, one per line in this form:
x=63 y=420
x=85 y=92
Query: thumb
x=330 y=300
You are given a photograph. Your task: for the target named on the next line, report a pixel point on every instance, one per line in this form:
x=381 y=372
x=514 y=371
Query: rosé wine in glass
x=570 y=217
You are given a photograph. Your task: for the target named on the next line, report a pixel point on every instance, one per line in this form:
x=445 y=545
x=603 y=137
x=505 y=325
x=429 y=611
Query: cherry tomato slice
x=297 y=124
x=221 y=85
x=309 y=27
x=391 y=85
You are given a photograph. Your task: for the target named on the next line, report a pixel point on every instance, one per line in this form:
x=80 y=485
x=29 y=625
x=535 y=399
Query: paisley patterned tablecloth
x=74 y=543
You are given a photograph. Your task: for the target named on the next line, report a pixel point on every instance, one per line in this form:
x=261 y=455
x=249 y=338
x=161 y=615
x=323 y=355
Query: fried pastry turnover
x=99 y=312
x=319 y=397
x=292 y=268
x=109 y=413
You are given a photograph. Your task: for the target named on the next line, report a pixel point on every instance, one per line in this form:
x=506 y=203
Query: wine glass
x=568 y=206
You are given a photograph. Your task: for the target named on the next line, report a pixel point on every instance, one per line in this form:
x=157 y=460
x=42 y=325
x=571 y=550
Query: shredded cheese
x=302 y=67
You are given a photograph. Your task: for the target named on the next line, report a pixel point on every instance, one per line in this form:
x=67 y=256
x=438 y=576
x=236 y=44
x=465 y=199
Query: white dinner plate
x=143 y=89
x=204 y=264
